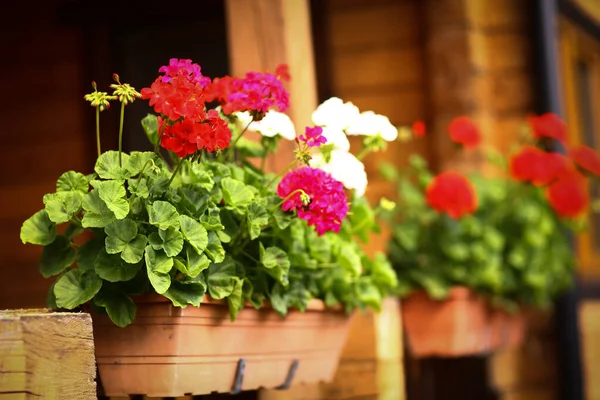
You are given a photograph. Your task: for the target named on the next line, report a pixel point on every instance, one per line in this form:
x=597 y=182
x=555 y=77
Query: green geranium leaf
x=184 y=293
x=194 y=233
x=38 y=229
x=235 y=193
x=212 y=219
x=319 y=247
x=276 y=262
x=142 y=161
x=97 y=215
x=197 y=262
x=150 y=125
x=349 y=259
x=119 y=307
x=113 y=268
x=107 y=166
x=62 y=206
x=368 y=293
x=76 y=287
x=172 y=241
x=180 y=265
x=257 y=219
x=236 y=299
x=134 y=251
x=201 y=177
x=215 y=250
x=51 y=297
x=113 y=194
x=163 y=215
x=277 y=298
x=158 y=265
x=57 y=256
x=138 y=187
x=72 y=182
x=382 y=273
x=250 y=148
x=119 y=234
x=88 y=252
x=221 y=279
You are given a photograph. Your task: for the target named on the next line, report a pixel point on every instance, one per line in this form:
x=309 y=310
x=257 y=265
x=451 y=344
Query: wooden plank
x=265 y=33
x=504 y=92
x=503 y=51
x=401 y=107
x=57 y=353
x=589 y=317
x=388 y=24
x=377 y=67
x=498 y=14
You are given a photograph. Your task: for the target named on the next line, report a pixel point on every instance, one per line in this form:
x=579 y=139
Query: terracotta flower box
x=461 y=325
x=170 y=351
x=456 y=326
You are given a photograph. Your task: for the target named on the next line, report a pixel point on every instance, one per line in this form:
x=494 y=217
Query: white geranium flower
x=344 y=167
x=274 y=123
x=370 y=124
x=337 y=138
x=334 y=113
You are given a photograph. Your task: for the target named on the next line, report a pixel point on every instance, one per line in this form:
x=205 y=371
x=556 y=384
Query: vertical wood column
x=265 y=33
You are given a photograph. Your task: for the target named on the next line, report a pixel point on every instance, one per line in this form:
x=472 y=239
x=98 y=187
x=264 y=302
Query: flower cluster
x=256 y=93
x=180 y=96
x=452 y=193
x=562 y=176
x=316 y=196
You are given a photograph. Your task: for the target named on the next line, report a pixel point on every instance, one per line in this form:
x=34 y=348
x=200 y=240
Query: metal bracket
x=290 y=376
x=239 y=377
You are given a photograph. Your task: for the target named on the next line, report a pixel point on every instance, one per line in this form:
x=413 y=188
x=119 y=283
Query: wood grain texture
x=589 y=316
x=46 y=355
x=265 y=33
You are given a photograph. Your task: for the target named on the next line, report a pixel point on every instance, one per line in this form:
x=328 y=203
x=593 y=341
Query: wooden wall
x=43 y=134
x=376 y=61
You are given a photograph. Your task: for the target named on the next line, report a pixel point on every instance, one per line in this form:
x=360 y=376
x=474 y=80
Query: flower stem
x=98 y=130
x=231 y=152
x=289 y=196
x=121 y=133
x=363 y=153
x=283 y=171
x=177 y=168
x=158 y=136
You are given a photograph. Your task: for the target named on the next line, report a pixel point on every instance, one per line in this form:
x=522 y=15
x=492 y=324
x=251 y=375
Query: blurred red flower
x=418 y=128
x=568 y=195
x=464 y=131
x=534 y=165
x=586 y=158
x=548 y=125
x=452 y=193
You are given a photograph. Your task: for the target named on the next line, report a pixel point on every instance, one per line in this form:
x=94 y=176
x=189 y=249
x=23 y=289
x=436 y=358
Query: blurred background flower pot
x=454 y=327
x=507 y=329
x=171 y=351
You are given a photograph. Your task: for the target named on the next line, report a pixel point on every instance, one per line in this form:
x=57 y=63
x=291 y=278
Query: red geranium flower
x=418 y=128
x=586 y=158
x=548 y=125
x=463 y=131
x=534 y=165
x=568 y=195
x=452 y=193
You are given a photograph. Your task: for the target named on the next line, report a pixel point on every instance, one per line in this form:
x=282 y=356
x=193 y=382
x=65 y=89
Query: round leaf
x=76 y=287
x=120 y=232
x=38 y=229
x=113 y=194
x=107 y=166
x=119 y=307
x=163 y=215
x=235 y=193
x=194 y=233
x=57 y=256
x=182 y=294
x=72 y=181
x=158 y=266
x=113 y=268
x=97 y=215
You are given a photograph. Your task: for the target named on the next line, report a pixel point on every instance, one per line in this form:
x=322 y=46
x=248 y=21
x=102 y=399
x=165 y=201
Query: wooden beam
x=265 y=33
x=45 y=355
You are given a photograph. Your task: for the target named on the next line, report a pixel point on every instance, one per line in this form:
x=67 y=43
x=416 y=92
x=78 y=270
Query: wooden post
x=372 y=360
x=46 y=355
x=265 y=33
